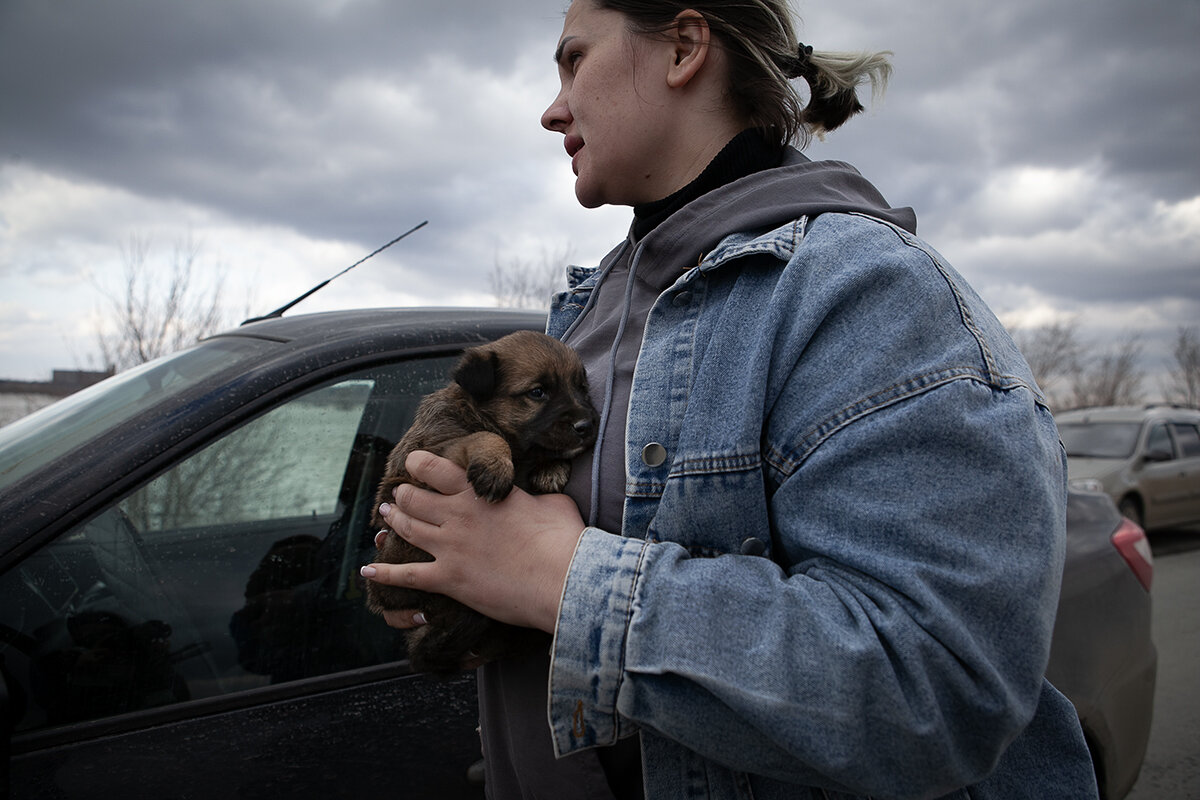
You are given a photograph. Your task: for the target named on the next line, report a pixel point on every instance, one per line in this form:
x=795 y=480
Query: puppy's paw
x=492 y=482
x=550 y=478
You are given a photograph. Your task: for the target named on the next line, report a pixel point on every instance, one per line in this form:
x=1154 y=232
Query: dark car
x=1102 y=656
x=180 y=608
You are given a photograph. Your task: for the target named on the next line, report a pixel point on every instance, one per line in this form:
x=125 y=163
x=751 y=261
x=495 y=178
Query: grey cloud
x=242 y=107
x=227 y=104
x=980 y=85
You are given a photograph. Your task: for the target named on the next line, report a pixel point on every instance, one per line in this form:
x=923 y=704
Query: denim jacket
x=842 y=541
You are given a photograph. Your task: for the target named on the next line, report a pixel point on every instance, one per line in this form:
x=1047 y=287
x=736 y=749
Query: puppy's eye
x=537 y=393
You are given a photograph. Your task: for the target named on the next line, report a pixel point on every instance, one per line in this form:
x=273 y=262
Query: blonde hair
x=764 y=57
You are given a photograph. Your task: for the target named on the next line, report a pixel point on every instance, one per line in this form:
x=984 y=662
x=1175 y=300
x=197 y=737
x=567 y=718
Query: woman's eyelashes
x=569 y=61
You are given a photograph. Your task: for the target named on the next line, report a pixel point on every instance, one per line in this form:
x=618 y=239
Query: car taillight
x=1131 y=543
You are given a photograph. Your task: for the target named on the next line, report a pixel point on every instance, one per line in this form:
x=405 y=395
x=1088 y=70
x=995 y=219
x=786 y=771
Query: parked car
x=180 y=607
x=1102 y=656
x=1147 y=459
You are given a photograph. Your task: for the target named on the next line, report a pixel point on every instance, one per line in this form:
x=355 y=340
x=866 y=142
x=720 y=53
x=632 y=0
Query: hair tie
x=805 y=68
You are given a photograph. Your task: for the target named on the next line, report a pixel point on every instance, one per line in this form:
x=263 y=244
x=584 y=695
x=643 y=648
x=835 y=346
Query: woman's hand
x=507 y=560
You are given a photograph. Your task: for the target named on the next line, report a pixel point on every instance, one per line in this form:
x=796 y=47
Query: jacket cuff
x=588 y=655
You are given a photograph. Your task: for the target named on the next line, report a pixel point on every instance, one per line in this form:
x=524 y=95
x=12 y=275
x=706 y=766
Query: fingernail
x=419 y=618
x=368 y=572
x=385 y=509
x=380 y=538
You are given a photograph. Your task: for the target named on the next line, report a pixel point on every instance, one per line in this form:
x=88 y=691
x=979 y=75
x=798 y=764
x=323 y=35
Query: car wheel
x=1130 y=508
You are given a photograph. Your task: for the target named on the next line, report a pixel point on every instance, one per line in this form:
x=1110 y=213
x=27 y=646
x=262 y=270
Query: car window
x=1159 y=441
x=290 y=463
x=1099 y=439
x=1188 y=438
x=234 y=569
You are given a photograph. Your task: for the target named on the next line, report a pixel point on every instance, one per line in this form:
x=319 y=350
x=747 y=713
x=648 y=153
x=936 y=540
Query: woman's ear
x=690 y=39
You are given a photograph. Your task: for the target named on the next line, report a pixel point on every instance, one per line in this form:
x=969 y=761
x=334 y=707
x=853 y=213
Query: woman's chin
x=587 y=196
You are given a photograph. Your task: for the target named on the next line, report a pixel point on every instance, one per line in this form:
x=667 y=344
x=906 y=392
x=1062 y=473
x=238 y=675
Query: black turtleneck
x=745 y=154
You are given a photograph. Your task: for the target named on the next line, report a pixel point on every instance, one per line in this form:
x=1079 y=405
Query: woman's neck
x=748 y=152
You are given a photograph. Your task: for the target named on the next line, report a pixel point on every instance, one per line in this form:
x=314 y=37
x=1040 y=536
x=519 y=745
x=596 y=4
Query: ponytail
x=833 y=80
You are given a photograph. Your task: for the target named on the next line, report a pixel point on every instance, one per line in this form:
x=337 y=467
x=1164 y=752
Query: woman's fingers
x=410 y=516
x=413 y=575
x=440 y=474
x=404 y=619
x=414 y=505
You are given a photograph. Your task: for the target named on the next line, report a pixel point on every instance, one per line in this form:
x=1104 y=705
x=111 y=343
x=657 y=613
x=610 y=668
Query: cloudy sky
x=1050 y=149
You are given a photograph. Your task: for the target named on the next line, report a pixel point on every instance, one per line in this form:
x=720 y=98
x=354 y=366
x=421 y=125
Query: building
x=18 y=398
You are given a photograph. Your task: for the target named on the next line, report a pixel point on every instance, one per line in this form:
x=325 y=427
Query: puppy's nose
x=583 y=427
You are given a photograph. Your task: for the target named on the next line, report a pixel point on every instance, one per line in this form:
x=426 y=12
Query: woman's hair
x=764 y=56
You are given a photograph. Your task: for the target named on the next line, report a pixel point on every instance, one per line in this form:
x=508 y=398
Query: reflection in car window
x=1159 y=441
x=1188 y=437
x=234 y=569
x=283 y=473
x=1099 y=439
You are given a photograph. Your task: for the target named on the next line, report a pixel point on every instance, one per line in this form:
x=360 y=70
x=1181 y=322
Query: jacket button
x=682 y=298
x=654 y=454
x=754 y=547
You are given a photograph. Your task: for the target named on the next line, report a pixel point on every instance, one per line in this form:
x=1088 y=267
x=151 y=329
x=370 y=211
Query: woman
x=822 y=531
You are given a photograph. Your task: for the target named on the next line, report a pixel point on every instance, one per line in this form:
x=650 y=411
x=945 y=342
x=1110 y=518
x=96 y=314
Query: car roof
x=1129 y=414
x=405 y=322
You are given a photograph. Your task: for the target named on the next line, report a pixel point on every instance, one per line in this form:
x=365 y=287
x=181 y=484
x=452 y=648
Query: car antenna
x=279 y=311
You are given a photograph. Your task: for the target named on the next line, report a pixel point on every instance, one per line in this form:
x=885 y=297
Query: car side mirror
x=1156 y=456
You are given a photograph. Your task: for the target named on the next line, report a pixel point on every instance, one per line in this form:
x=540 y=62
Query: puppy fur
x=516 y=413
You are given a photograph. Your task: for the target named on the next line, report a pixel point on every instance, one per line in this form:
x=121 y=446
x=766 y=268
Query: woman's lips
x=573 y=144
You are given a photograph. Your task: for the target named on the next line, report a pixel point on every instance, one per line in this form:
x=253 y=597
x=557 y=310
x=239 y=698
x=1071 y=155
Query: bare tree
x=160 y=308
x=1184 y=387
x=1053 y=353
x=529 y=283
x=1111 y=378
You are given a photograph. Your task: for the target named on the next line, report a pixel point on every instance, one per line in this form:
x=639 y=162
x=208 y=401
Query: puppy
x=515 y=414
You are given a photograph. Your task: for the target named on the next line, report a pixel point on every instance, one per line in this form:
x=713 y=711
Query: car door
x=1156 y=467
x=1186 y=503
x=204 y=635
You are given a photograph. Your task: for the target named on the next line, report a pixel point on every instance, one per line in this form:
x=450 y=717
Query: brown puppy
x=516 y=413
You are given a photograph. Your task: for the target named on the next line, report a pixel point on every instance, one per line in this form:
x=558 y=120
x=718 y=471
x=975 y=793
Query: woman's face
x=611 y=108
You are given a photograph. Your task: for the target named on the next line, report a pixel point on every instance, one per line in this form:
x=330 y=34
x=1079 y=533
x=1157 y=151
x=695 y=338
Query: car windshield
x=1099 y=439
x=57 y=429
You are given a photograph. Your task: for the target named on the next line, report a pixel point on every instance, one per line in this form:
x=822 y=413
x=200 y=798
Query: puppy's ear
x=477 y=374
